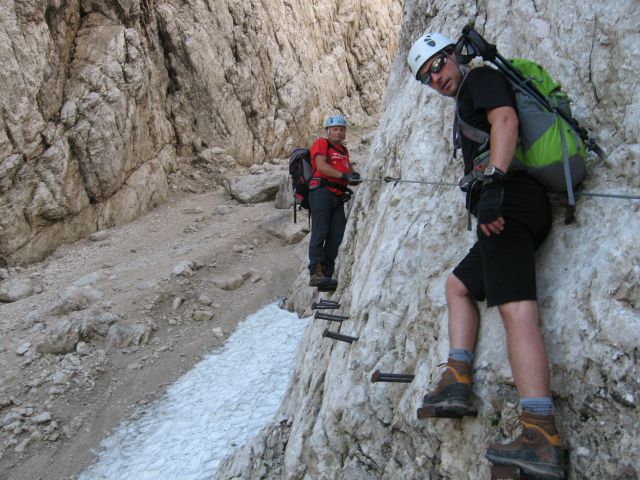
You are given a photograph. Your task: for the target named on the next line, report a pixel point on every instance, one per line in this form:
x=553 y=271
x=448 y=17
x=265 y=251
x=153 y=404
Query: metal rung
x=378 y=376
x=325 y=305
x=506 y=472
x=330 y=316
x=446 y=412
x=324 y=301
x=327 y=288
x=338 y=336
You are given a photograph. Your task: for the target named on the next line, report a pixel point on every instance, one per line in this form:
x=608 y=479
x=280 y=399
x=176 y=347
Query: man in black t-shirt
x=514 y=218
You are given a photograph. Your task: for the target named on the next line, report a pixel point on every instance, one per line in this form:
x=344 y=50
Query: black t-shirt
x=484 y=88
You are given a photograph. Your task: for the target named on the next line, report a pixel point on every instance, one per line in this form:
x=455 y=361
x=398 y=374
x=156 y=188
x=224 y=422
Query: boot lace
x=513 y=424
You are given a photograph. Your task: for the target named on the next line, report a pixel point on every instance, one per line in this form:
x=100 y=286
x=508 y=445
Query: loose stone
x=60 y=378
x=99 y=236
x=10 y=418
x=217 y=331
x=41 y=418
x=177 y=302
x=23 y=348
x=82 y=349
x=183 y=268
x=193 y=211
x=202 y=315
x=204 y=300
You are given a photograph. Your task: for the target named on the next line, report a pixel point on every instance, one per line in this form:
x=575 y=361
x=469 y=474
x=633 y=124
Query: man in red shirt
x=332 y=173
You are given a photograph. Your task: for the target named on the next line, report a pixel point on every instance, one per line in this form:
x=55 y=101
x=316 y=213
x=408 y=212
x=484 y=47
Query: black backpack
x=301 y=173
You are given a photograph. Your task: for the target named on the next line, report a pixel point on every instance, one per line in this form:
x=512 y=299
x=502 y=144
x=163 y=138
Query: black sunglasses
x=437 y=65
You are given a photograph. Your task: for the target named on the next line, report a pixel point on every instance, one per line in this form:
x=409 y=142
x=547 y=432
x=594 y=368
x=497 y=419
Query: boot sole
x=539 y=472
x=448 y=411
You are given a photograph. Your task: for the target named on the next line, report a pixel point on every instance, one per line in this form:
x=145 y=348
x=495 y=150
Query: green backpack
x=547 y=140
x=552 y=147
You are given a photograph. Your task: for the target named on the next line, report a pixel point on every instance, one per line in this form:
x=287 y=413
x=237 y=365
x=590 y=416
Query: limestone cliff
x=403 y=240
x=103 y=99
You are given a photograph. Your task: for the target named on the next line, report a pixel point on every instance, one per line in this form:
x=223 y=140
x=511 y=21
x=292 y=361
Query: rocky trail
x=160 y=292
x=107 y=323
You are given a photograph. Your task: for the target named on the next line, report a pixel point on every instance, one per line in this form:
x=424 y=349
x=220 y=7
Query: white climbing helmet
x=426 y=47
x=335 y=121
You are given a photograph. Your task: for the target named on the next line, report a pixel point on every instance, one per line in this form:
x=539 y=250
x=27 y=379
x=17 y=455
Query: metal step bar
x=325 y=305
x=338 y=336
x=330 y=317
x=378 y=376
x=327 y=288
x=506 y=472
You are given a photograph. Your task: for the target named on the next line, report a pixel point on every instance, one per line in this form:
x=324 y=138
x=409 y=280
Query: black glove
x=352 y=178
x=490 y=203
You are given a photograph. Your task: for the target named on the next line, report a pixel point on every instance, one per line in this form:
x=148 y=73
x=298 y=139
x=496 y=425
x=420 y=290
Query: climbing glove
x=490 y=203
x=347 y=195
x=352 y=178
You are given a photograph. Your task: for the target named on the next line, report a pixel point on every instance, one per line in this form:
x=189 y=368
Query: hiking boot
x=537 y=451
x=328 y=271
x=318 y=278
x=450 y=399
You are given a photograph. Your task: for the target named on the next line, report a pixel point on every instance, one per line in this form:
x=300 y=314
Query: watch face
x=492 y=170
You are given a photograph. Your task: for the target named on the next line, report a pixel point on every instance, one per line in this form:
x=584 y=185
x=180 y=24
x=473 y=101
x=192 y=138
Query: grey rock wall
x=103 y=99
x=402 y=241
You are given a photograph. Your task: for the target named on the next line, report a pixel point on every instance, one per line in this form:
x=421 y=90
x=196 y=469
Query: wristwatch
x=492 y=170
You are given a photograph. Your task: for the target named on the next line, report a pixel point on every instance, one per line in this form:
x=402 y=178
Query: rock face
x=102 y=100
x=401 y=243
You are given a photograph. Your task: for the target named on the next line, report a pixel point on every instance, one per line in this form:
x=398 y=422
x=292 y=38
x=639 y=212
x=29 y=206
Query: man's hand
x=490 y=217
x=352 y=178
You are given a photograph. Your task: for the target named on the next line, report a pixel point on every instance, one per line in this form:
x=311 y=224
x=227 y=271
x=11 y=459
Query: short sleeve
x=487 y=88
x=319 y=147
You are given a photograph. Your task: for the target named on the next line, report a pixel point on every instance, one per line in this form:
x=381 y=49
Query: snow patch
x=224 y=401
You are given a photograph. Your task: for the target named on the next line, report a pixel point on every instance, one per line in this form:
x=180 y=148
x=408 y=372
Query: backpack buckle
x=468 y=182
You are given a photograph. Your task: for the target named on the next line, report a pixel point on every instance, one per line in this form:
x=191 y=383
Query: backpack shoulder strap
x=330 y=145
x=462 y=128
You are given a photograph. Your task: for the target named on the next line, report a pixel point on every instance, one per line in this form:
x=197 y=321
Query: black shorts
x=501 y=268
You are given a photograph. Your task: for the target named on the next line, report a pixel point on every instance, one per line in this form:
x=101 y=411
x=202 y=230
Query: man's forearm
x=325 y=169
x=504 y=137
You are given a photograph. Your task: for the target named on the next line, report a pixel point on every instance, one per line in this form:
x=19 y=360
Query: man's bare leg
x=537 y=451
x=463 y=315
x=527 y=355
x=451 y=396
